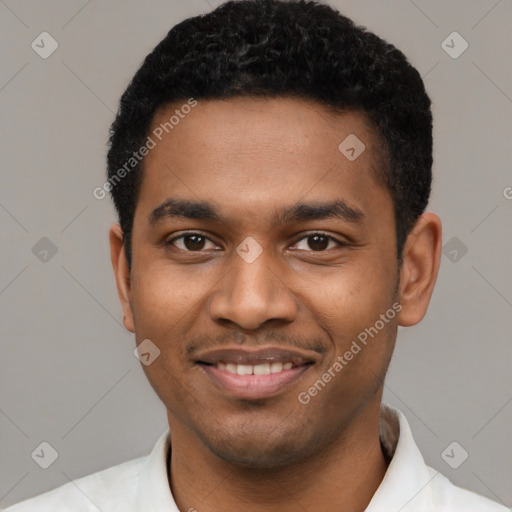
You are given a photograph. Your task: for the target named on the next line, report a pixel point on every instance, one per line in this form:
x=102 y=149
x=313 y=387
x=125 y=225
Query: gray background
x=68 y=375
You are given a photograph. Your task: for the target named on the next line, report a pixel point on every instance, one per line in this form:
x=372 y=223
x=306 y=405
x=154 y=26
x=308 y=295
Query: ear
x=122 y=274
x=420 y=266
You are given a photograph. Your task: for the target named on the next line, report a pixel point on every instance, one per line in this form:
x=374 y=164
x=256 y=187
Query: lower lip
x=253 y=386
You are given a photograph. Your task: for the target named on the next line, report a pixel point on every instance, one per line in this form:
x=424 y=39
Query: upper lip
x=256 y=356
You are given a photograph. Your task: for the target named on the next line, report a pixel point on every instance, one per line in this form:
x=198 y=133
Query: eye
x=319 y=242
x=196 y=242
x=190 y=242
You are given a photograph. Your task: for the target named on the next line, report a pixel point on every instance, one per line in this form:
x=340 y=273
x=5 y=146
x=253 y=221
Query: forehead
x=260 y=153
x=250 y=124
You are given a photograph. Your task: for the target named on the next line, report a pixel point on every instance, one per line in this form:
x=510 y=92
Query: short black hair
x=279 y=48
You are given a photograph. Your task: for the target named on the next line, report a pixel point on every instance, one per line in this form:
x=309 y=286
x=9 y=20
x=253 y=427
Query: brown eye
x=194 y=242
x=319 y=242
x=190 y=242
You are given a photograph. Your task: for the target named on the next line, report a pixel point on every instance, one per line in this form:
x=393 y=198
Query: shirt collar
x=154 y=492
x=405 y=483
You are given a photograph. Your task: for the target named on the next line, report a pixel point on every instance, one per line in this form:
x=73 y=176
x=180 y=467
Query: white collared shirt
x=141 y=485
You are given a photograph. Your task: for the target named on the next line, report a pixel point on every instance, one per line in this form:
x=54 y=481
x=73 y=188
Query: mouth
x=255 y=374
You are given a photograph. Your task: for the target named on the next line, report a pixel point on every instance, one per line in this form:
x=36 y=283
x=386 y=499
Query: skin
x=249 y=157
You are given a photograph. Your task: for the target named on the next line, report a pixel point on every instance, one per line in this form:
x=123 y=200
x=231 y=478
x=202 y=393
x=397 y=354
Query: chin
x=251 y=449
x=252 y=457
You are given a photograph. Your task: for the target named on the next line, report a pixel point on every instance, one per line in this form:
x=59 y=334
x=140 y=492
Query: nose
x=252 y=294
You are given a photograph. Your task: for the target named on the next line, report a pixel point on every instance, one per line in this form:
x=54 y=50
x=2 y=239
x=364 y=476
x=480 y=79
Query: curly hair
x=280 y=48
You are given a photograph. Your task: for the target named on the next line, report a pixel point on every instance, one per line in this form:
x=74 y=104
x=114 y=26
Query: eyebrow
x=203 y=210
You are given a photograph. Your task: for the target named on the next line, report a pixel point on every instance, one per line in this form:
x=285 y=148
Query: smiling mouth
x=256 y=369
x=247 y=374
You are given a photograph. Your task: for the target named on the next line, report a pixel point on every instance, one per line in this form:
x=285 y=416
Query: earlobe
x=420 y=267
x=122 y=274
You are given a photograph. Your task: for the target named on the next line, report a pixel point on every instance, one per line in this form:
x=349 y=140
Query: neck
x=343 y=476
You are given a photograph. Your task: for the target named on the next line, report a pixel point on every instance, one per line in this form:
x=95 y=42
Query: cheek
x=348 y=307
x=350 y=300
x=164 y=310
x=362 y=344
x=161 y=297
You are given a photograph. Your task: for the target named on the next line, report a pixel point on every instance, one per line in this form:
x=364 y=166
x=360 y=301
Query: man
x=271 y=165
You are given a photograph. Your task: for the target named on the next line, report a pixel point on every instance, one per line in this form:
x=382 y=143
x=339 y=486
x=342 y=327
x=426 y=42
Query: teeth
x=244 y=369
x=261 y=369
x=276 y=367
x=230 y=367
x=257 y=369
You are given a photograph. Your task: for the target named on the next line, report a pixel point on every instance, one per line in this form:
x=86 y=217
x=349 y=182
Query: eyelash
x=192 y=233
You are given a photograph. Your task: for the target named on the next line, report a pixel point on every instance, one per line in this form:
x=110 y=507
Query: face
x=261 y=253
